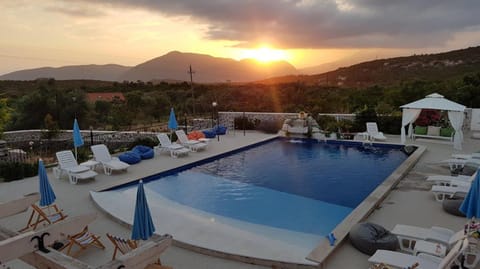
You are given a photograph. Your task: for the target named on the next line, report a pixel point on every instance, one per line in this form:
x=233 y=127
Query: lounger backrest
x=66 y=159
x=164 y=140
x=101 y=153
x=181 y=136
x=453 y=254
x=372 y=127
x=123 y=245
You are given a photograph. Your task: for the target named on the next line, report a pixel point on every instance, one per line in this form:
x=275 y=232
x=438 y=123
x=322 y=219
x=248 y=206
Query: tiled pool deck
x=408 y=203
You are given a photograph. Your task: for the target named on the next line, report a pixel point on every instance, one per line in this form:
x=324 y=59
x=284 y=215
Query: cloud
x=321 y=23
x=75 y=10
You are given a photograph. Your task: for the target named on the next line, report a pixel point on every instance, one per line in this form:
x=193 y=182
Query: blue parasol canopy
x=47 y=196
x=143 y=226
x=172 y=121
x=471 y=204
x=77 y=137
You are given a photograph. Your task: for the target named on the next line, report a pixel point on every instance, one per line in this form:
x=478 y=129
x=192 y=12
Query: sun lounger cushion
x=420 y=130
x=144 y=152
x=370 y=237
x=130 y=157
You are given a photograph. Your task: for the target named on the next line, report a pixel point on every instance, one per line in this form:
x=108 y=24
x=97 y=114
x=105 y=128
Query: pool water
x=306 y=187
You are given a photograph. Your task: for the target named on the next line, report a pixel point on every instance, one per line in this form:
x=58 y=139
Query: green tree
x=4 y=114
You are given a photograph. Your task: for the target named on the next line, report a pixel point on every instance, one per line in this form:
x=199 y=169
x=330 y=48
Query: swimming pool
x=306 y=186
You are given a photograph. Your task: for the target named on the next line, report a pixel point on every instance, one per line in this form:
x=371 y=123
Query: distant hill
x=107 y=72
x=172 y=66
x=440 y=66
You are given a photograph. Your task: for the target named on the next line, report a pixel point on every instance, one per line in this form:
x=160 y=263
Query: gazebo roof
x=435 y=101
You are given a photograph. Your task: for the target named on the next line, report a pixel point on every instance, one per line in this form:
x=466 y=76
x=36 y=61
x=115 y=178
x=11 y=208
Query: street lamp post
x=214 y=104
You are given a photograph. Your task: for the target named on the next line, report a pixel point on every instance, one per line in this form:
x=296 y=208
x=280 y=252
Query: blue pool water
x=305 y=187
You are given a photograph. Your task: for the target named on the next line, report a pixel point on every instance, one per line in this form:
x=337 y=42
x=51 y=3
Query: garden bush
x=144 y=141
x=11 y=171
x=269 y=126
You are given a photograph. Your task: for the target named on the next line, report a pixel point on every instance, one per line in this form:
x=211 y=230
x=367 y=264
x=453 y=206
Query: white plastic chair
x=193 y=145
x=109 y=163
x=442 y=180
x=68 y=165
x=445 y=192
x=408 y=235
x=425 y=261
x=175 y=150
x=373 y=133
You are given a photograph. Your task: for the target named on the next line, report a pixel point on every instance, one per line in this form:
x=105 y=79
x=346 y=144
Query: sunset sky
x=303 y=32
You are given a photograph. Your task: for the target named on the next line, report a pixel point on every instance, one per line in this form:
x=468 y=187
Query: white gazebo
x=436 y=101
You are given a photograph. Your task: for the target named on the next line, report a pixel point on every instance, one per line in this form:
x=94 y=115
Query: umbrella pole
x=76 y=156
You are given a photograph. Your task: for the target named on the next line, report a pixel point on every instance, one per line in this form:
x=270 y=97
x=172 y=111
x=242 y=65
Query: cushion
x=195 y=135
x=130 y=157
x=452 y=206
x=369 y=237
x=209 y=133
x=447 y=132
x=144 y=152
x=220 y=129
x=421 y=130
x=433 y=130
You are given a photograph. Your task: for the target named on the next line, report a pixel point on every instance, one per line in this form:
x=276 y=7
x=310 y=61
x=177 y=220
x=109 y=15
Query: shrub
x=144 y=141
x=244 y=122
x=270 y=126
x=327 y=123
x=11 y=171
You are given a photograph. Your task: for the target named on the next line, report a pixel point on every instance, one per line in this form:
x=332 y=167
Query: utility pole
x=191 y=72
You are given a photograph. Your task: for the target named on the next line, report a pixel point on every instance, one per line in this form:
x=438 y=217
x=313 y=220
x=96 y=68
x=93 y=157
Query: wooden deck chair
x=84 y=240
x=122 y=245
x=44 y=215
x=127 y=245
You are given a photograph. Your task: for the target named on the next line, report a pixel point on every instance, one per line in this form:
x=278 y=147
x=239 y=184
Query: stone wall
x=228 y=118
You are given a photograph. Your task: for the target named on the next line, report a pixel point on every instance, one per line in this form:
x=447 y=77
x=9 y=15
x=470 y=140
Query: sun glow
x=264 y=54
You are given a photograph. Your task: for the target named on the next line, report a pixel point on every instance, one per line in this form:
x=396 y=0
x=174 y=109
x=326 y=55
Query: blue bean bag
x=220 y=130
x=209 y=133
x=130 y=157
x=144 y=152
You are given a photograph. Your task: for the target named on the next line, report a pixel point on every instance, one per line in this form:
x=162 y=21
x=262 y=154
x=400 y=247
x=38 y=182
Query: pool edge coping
x=323 y=250
x=339 y=230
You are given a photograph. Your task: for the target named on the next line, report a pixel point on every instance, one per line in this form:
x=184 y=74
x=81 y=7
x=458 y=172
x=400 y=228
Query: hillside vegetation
x=387 y=84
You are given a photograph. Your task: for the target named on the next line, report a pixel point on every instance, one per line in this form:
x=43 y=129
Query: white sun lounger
x=445 y=192
x=193 y=145
x=458 y=163
x=425 y=261
x=67 y=164
x=175 y=150
x=408 y=235
x=109 y=163
x=373 y=133
x=442 y=180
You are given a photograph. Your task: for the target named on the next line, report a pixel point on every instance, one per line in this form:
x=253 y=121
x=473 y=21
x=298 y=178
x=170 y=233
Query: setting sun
x=264 y=54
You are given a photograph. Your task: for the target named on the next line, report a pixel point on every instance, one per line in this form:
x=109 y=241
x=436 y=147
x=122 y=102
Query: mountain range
x=173 y=66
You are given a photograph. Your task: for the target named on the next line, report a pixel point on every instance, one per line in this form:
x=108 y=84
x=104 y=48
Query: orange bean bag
x=195 y=135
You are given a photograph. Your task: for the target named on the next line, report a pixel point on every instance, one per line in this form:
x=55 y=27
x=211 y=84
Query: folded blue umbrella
x=172 y=121
x=77 y=137
x=47 y=196
x=143 y=227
